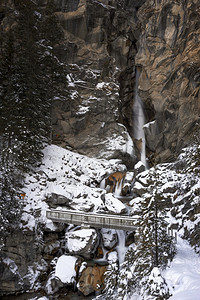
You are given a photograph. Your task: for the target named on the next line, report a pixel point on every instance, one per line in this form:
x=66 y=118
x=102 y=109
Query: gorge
x=123 y=80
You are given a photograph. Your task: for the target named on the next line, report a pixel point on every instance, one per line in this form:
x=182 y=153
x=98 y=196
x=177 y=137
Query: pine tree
x=156 y=286
x=31 y=118
x=154 y=247
x=126 y=280
x=10 y=175
x=51 y=36
x=29 y=77
x=111 y=279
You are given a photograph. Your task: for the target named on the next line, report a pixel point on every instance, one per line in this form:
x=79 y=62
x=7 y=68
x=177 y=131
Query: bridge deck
x=94 y=220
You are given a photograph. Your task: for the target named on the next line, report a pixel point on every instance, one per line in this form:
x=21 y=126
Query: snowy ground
x=183 y=276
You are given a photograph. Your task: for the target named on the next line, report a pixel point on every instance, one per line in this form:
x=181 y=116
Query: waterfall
x=121 y=248
x=103 y=184
x=139 y=121
x=118 y=188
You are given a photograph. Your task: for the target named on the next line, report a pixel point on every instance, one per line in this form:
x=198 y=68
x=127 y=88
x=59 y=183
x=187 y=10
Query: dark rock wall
x=104 y=42
x=169 y=59
x=20 y=259
x=161 y=40
x=101 y=40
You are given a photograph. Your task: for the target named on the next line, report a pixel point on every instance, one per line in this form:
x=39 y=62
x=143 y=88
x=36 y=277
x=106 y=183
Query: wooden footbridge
x=91 y=219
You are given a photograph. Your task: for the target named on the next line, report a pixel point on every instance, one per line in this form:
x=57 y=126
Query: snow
x=138 y=165
x=138 y=186
x=112 y=257
x=119 y=142
x=12 y=266
x=65 y=268
x=68 y=174
x=83 y=110
x=78 y=178
x=100 y=85
x=79 y=239
x=113 y=204
x=183 y=276
x=146 y=125
x=28 y=221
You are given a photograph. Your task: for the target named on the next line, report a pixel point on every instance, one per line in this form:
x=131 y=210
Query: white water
x=103 y=184
x=118 y=188
x=139 y=121
x=121 y=248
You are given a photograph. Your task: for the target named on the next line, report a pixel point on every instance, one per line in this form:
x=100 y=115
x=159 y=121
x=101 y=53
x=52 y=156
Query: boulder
x=128 y=183
x=51 y=248
x=92 y=280
x=112 y=257
x=53 y=284
x=82 y=242
x=109 y=238
x=139 y=168
x=113 y=205
x=138 y=188
x=55 y=199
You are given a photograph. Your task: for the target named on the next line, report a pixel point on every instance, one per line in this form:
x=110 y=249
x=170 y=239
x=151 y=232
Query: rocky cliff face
x=104 y=43
x=168 y=59
x=99 y=48
x=107 y=42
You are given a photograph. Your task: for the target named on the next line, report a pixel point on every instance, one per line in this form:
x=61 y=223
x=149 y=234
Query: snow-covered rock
x=113 y=205
x=55 y=200
x=68 y=179
x=139 y=168
x=112 y=257
x=53 y=284
x=109 y=238
x=82 y=242
x=138 y=188
x=65 y=268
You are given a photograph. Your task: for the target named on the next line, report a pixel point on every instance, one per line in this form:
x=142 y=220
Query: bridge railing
x=92 y=219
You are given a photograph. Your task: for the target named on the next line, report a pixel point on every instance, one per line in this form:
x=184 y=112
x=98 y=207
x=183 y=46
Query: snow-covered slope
x=183 y=276
x=74 y=176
